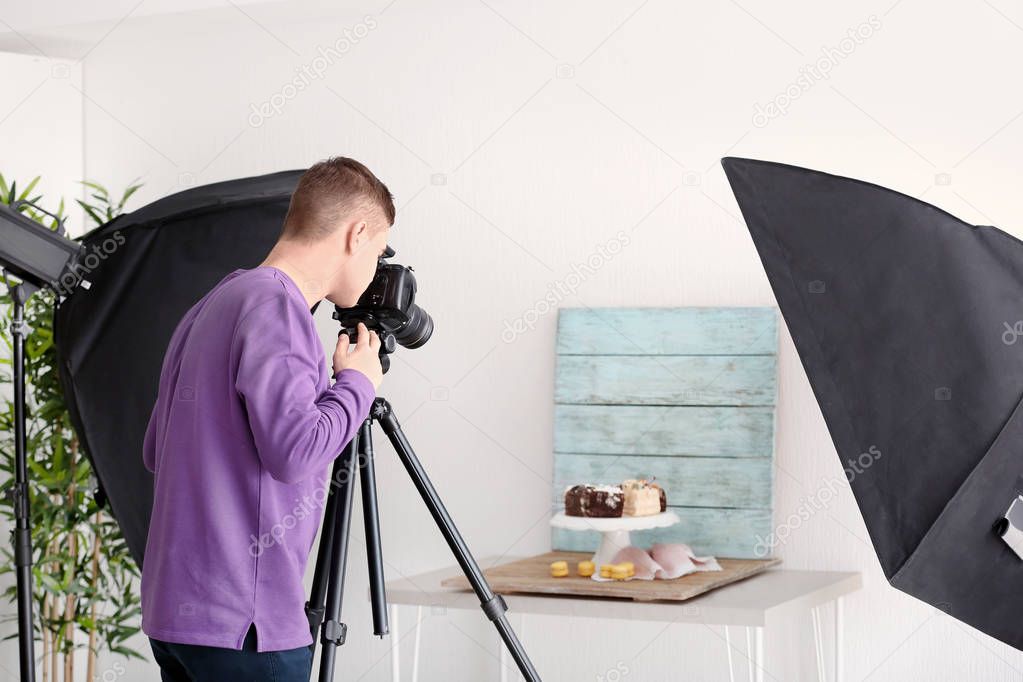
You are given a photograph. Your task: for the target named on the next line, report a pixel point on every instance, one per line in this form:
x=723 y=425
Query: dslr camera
x=388 y=307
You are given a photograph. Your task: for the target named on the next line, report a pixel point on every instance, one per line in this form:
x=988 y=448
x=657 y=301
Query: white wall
x=518 y=138
x=41 y=128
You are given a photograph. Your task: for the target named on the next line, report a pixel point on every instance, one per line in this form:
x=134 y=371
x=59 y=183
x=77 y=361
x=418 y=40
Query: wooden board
x=685 y=395
x=685 y=431
x=667 y=331
x=532 y=575
x=733 y=380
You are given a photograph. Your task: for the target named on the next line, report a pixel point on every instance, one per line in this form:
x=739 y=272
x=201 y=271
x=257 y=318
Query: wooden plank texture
x=740 y=483
x=731 y=533
x=664 y=430
x=667 y=331
x=683 y=395
x=666 y=380
x=532 y=575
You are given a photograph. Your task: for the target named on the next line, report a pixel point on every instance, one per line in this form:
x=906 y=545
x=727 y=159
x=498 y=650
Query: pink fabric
x=665 y=561
x=646 y=567
x=678 y=560
x=675 y=559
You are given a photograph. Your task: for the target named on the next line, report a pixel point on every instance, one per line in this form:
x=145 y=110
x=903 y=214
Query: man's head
x=339 y=219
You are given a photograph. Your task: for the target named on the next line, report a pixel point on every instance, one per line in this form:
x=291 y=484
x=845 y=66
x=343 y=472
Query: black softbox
x=909 y=324
x=148 y=268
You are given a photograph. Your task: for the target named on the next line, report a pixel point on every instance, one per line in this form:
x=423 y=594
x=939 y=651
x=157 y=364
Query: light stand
x=21 y=535
x=39 y=257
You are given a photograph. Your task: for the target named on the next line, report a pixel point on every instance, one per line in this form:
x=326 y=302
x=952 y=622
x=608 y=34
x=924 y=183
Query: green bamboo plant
x=85 y=578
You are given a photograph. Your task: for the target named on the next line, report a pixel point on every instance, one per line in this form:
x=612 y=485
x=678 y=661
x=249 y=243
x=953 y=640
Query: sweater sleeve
x=297 y=429
x=149 y=442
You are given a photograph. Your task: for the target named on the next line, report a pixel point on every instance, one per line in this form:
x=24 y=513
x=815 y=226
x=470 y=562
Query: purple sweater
x=245 y=427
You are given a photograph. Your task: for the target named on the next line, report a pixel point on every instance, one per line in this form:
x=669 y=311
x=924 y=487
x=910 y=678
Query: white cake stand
x=614 y=531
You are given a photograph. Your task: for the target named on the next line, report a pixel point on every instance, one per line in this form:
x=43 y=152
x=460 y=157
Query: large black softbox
x=908 y=322
x=149 y=267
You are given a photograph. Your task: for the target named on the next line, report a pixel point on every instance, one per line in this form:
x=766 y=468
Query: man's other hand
x=363 y=356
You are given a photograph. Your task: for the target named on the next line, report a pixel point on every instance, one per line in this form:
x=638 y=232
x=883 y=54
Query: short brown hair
x=329 y=190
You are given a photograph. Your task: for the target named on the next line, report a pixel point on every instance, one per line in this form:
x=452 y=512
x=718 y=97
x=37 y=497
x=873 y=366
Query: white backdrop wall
x=41 y=129
x=521 y=138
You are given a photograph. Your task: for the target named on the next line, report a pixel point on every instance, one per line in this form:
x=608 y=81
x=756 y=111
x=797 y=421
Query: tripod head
x=388 y=344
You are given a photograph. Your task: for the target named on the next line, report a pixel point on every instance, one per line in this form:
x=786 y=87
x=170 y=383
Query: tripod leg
x=371 y=521
x=314 y=608
x=334 y=631
x=493 y=605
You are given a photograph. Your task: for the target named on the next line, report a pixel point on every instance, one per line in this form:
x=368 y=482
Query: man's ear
x=357 y=233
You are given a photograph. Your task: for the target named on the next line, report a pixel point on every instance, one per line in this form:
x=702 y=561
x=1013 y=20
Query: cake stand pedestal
x=614 y=531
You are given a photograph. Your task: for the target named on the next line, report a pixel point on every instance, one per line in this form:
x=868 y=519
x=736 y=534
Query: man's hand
x=363 y=356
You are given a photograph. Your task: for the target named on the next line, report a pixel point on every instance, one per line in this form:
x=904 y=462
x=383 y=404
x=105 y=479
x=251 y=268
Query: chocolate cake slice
x=595 y=501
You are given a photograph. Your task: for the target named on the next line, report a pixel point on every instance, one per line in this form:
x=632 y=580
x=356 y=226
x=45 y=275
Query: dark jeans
x=193 y=663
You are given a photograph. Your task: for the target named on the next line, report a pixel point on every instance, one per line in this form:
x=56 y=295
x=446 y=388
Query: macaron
x=559 y=569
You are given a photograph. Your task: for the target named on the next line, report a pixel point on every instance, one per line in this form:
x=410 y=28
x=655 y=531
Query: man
x=243 y=433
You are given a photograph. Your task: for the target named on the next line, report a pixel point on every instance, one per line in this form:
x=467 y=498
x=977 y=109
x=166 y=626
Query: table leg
x=839 y=639
x=415 y=647
x=818 y=642
x=749 y=652
x=760 y=654
x=395 y=651
x=728 y=648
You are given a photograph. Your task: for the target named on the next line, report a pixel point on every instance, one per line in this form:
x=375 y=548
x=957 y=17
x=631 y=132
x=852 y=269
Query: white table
x=749 y=604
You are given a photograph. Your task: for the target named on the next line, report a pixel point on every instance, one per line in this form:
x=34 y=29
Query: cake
x=643 y=498
x=599 y=501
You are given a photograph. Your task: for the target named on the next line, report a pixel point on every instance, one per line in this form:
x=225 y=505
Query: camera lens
x=418 y=330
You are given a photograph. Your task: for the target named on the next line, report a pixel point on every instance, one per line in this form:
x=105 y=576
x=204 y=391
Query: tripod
x=324 y=605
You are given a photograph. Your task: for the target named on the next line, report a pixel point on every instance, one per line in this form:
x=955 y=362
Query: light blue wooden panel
x=685 y=395
x=664 y=430
x=687 y=481
x=666 y=379
x=727 y=533
x=667 y=331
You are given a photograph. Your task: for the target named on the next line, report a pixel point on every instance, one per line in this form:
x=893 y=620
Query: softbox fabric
x=908 y=324
x=148 y=268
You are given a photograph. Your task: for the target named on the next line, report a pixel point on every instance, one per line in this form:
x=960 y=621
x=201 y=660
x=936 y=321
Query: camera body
x=388 y=308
